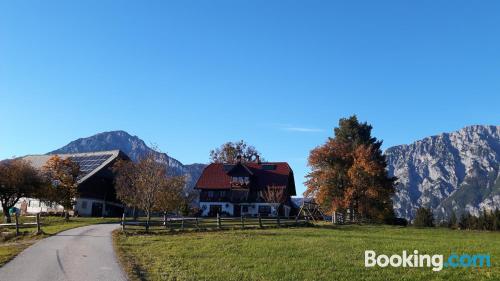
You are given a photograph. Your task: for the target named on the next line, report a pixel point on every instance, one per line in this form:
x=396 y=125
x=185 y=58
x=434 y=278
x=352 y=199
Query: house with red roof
x=248 y=189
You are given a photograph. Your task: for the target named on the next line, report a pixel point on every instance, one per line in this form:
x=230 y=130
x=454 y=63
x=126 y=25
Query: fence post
x=260 y=221
x=182 y=223
x=123 y=221
x=242 y=222
x=17 y=224
x=278 y=221
x=165 y=220
x=38 y=226
x=197 y=224
x=219 y=226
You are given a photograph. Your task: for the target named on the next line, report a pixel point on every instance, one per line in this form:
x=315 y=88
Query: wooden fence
x=17 y=225
x=190 y=223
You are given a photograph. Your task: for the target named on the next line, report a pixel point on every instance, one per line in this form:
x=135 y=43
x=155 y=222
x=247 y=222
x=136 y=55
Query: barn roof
x=215 y=175
x=89 y=162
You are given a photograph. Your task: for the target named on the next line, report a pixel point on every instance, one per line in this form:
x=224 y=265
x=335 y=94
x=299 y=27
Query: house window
x=210 y=194
x=222 y=193
x=84 y=204
x=244 y=208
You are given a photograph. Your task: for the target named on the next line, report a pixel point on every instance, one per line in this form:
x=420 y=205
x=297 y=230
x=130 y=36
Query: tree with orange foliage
x=349 y=173
x=63 y=174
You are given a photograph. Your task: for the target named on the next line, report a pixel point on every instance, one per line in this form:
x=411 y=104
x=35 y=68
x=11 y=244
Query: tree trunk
x=148 y=218
x=66 y=215
x=134 y=214
x=6 y=214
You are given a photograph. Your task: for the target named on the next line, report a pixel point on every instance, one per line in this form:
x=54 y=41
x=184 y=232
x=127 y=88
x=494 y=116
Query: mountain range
x=458 y=171
x=135 y=148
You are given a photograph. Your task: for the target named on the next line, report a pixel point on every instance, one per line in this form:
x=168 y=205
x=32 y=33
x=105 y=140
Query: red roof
x=215 y=176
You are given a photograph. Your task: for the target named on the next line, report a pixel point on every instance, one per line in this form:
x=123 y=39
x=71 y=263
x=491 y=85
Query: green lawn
x=12 y=246
x=304 y=253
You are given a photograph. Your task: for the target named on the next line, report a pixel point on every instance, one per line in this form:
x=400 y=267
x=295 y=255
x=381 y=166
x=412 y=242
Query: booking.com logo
x=437 y=262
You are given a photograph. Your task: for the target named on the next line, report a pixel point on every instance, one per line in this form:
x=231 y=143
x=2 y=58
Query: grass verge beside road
x=302 y=253
x=12 y=246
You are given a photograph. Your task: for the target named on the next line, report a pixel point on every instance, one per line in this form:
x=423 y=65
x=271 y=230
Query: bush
x=397 y=221
x=424 y=217
x=487 y=220
x=452 y=222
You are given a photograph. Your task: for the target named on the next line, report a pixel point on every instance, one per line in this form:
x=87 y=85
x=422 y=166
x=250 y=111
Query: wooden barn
x=97 y=196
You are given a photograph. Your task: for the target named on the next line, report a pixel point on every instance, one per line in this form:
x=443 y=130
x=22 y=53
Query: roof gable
x=217 y=176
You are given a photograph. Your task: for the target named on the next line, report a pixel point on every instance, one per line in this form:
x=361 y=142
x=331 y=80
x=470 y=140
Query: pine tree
x=424 y=217
x=497 y=219
x=452 y=222
x=464 y=221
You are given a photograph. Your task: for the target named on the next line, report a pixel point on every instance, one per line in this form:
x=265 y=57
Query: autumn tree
x=229 y=152
x=63 y=174
x=145 y=185
x=17 y=179
x=348 y=173
x=173 y=198
x=275 y=194
x=126 y=183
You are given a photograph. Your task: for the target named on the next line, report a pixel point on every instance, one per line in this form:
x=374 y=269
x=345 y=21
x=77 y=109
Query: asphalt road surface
x=84 y=253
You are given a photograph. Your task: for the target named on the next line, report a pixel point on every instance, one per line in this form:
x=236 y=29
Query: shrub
x=424 y=218
x=452 y=222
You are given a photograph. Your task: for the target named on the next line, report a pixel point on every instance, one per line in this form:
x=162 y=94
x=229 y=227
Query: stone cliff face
x=456 y=171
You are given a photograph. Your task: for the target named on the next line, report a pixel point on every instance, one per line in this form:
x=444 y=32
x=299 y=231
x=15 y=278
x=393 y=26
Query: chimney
x=257 y=159
x=238 y=159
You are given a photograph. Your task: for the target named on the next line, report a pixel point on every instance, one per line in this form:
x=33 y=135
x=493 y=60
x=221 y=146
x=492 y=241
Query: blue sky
x=190 y=75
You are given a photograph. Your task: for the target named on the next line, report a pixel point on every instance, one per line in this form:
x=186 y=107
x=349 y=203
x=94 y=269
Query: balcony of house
x=215 y=196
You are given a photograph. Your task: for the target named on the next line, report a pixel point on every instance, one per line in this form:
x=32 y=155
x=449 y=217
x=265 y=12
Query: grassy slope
x=300 y=254
x=51 y=226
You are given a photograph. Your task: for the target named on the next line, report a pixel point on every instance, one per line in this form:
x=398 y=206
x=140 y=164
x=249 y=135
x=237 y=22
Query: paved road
x=84 y=253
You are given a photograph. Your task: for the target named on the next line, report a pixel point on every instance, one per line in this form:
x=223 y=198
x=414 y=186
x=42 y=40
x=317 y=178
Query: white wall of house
x=247 y=209
x=225 y=206
x=83 y=206
x=35 y=206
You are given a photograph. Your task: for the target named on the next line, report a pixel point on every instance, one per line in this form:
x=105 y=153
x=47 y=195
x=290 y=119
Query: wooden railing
x=17 y=225
x=190 y=223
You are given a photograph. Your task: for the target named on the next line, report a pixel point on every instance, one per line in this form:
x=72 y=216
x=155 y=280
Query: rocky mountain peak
x=134 y=147
x=456 y=171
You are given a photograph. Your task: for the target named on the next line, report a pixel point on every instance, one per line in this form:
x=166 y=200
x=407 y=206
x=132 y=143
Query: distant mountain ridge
x=135 y=148
x=456 y=171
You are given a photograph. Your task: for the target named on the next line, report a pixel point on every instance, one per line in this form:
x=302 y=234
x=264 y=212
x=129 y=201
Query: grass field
x=50 y=226
x=302 y=253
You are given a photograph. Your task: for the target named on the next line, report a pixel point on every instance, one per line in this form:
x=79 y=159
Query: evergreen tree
x=464 y=221
x=452 y=222
x=424 y=217
x=497 y=220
